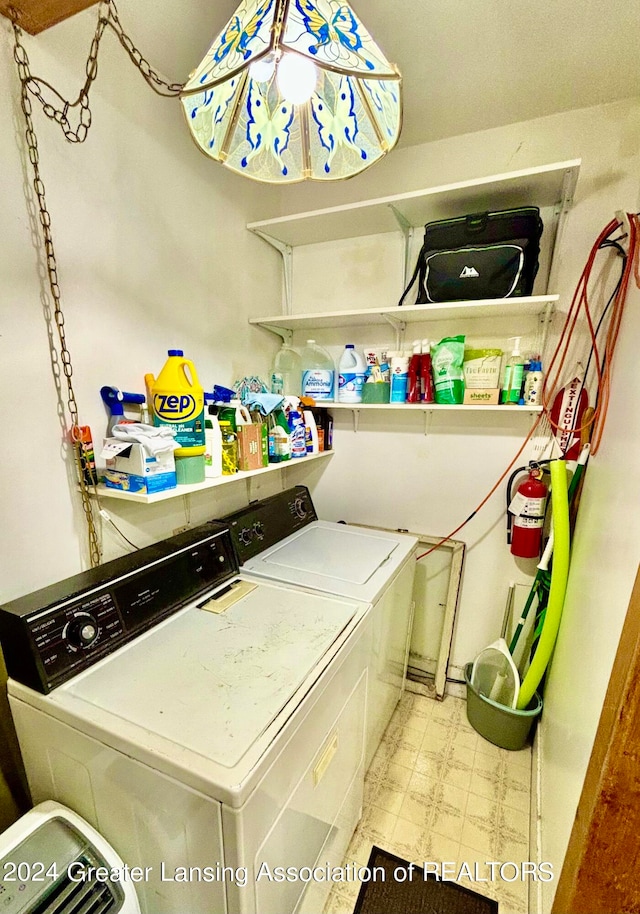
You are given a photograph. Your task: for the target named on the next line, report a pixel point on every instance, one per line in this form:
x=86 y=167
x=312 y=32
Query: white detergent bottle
x=213 y=445
x=317 y=372
x=351 y=373
x=312 y=439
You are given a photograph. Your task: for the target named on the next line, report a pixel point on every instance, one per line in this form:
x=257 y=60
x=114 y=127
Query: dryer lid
x=340 y=552
x=213 y=684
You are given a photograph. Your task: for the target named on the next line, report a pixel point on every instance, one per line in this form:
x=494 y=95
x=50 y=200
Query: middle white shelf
x=466 y=310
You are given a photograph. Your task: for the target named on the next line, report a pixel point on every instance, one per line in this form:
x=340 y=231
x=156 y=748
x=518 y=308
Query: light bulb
x=296 y=77
x=262 y=70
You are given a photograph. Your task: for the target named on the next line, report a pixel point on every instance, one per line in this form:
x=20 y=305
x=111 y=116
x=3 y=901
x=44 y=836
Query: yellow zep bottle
x=178 y=401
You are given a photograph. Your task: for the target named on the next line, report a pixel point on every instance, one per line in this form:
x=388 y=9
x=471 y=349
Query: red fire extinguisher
x=527 y=507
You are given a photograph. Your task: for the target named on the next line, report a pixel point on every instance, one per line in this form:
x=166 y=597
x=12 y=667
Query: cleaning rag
x=154 y=439
x=266 y=403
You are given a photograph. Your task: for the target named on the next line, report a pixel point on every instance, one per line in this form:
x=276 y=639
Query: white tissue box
x=130 y=470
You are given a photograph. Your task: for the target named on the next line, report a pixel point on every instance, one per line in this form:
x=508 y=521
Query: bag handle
x=419 y=268
x=476 y=222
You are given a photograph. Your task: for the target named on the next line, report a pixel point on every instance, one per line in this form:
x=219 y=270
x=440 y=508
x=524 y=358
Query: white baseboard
x=535 y=822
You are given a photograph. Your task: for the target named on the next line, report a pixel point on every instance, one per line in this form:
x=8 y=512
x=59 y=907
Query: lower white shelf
x=104 y=492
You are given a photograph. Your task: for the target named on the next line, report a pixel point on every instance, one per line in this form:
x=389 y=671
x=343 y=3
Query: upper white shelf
x=495 y=307
x=546 y=185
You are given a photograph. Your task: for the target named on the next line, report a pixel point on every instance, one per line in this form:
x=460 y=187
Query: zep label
x=175 y=407
x=183 y=413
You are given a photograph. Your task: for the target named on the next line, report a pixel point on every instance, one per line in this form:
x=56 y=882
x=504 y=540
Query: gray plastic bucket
x=502 y=726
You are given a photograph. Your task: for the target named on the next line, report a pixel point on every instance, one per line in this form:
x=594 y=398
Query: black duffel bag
x=480 y=256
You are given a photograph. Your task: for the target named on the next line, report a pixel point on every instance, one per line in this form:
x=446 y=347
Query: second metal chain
x=59 y=109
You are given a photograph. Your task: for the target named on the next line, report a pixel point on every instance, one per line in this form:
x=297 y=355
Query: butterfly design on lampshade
x=384 y=98
x=237 y=38
x=267 y=126
x=338 y=127
x=334 y=27
x=208 y=113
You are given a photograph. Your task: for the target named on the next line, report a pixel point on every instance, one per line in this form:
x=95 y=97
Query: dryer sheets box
x=130 y=469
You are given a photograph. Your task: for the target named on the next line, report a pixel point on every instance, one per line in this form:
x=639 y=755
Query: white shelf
x=105 y=492
x=432 y=407
x=543 y=186
x=409 y=314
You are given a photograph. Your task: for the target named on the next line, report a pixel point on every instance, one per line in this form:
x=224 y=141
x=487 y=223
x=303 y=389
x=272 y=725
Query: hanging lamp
x=293 y=90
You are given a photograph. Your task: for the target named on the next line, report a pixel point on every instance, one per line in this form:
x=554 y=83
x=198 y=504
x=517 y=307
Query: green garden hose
x=559 y=574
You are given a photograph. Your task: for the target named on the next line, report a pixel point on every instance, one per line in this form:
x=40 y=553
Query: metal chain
x=59 y=112
x=52 y=271
x=32 y=86
x=153 y=79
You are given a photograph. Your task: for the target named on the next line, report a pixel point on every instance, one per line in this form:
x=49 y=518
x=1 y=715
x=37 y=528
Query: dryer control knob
x=82 y=631
x=258 y=529
x=245 y=536
x=300 y=507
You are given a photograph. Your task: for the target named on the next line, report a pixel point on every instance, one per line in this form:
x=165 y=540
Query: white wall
x=153 y=253
x=605 y=557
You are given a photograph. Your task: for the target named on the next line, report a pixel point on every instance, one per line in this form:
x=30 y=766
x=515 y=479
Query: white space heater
x=48 y=860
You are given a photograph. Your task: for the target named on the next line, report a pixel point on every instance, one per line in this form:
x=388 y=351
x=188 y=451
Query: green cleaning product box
x=482 y=368
x=129 y=468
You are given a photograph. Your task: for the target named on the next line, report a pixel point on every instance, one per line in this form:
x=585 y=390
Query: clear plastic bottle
x=286 y=377
x=279 y=437
x=351 y=372
x=318 y=372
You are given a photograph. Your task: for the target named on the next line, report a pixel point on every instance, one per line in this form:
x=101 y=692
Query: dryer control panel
x=264 y=523
x=53 y=634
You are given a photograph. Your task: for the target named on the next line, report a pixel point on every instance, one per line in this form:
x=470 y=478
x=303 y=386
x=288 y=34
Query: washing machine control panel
x=264 y=523
x=52 y=635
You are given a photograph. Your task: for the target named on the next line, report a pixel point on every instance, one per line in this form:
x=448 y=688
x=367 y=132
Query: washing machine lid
x=349 y=561
x=212 y=684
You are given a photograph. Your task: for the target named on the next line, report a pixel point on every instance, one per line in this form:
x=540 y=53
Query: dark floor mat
x=420 y=895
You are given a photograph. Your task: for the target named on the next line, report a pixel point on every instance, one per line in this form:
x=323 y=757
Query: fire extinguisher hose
x=559 y=575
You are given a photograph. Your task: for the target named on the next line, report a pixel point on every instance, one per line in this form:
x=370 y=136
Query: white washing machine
x=281 y=539
x=209 y=726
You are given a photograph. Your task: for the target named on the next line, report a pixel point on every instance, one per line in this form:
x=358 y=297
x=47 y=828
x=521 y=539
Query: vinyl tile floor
x=437 y=793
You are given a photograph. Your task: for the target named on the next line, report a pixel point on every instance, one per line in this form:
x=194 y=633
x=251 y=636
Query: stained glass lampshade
x=294 y=89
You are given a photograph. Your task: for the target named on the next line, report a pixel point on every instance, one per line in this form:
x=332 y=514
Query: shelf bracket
x=545 y=319
x=561 y=212
x=408 y=231
x=285 y=335
x=355 y=413
x=286 y=252
x=428 y=416
x=398 y=325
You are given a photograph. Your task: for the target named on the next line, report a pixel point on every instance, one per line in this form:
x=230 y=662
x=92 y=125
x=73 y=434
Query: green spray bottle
x=513 y=374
